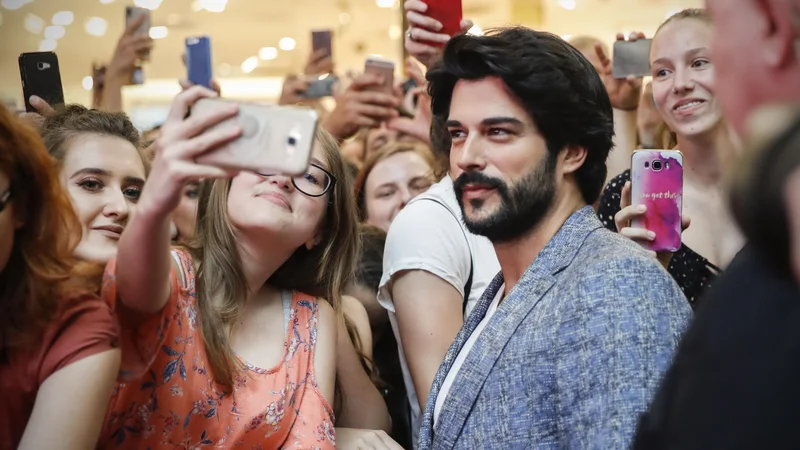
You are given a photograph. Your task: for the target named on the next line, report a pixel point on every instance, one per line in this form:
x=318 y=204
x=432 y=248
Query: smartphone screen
x=41 y=76
x=384 y=68
x=321 y=40
x=631 y=58
x=198 y=60
x=448 y=12
x=657 y=182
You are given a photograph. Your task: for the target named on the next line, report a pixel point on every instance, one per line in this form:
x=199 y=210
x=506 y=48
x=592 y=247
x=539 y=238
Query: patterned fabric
x=693 y=273
x=177 y=405
x=573 y=354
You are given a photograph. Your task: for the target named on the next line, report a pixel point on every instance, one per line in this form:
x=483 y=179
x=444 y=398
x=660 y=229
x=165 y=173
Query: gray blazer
x=573 y=354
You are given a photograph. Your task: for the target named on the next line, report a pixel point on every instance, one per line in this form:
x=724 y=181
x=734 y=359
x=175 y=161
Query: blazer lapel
x=523 y=297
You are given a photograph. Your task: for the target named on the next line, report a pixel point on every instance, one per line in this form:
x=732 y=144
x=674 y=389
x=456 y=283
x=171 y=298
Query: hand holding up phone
x=131 y=47
x=645 y=237
x=182 y=140
x=623 y=92
x=427 y=35
x=361 y=106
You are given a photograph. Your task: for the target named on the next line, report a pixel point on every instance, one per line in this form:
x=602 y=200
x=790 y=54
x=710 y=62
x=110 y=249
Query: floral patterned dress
x=169 y=398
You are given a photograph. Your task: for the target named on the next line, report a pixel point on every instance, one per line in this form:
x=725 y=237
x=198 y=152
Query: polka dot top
x=693 y=272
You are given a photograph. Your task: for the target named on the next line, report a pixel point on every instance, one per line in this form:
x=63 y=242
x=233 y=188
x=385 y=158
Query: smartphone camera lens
x=656 y=165
x=292 y=141
x=41 y=65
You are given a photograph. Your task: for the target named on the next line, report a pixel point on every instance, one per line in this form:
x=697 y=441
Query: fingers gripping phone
x=631 y=58
x=448 y=13
x=131 y=14
x=40 y=76
x=383 y=68
x=198 y=60
x=657 y=182
x=278 y=139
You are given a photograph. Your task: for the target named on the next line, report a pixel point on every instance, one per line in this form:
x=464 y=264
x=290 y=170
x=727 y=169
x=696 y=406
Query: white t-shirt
x=425 y=236
x=462 y=355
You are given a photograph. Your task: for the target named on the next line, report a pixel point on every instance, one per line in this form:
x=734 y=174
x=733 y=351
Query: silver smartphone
x=276 y=139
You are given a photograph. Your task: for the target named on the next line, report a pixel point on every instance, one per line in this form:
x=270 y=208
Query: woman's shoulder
x=85 y=325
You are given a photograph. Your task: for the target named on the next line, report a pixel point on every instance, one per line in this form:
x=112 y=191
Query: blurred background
x=257 y=42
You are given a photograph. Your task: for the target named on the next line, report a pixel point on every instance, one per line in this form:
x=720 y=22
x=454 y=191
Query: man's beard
x=522 y=207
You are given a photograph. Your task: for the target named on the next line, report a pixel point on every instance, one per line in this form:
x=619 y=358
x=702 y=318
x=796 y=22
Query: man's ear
x=574 y=157
x=779 y=46
x=792 y=199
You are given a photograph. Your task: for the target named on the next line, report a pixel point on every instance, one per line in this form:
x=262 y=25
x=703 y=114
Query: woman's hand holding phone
x=623 y=92
x=43 y=111
x=360 y=105
x=423 y=31
x=629 y=212
x=182 y=140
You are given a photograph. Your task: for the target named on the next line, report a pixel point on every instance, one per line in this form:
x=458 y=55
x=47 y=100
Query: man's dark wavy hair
x=558 y=87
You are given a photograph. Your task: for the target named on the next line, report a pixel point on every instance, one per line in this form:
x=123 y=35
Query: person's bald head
x=586 y=45
x=756 y=52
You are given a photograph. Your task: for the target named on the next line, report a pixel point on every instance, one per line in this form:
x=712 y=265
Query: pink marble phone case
x=662 y=192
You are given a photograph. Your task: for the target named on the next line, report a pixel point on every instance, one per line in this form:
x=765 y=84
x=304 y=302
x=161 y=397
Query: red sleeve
x=141 y=336
x=85 y=327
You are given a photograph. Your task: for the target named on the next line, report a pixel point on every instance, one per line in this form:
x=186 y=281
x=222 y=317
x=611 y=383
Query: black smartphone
x=321 y=40
x=41 y=76
x=321 y=88
x=631 y=58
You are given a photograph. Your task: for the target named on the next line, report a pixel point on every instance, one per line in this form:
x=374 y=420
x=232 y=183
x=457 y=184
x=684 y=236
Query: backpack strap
x=468 y=285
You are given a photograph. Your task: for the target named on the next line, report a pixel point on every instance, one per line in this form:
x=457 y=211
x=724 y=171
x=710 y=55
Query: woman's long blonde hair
x=221 y=286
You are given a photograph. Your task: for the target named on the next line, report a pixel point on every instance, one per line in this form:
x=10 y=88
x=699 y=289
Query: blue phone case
x=198 y=60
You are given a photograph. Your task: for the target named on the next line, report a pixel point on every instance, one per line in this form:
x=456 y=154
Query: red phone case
x=448 y=12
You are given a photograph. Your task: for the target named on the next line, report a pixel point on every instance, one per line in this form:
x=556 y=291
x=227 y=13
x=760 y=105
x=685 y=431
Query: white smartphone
x=276 y=139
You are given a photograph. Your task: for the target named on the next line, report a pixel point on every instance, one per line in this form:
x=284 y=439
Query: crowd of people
x=458 y=267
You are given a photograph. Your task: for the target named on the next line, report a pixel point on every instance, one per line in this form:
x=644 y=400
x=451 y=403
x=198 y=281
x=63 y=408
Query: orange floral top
x=169 y=398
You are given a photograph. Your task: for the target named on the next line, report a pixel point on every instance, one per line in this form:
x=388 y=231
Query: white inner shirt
x=462 y=355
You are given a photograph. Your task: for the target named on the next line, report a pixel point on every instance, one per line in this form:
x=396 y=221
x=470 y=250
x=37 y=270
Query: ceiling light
x=216 y=6
x=158 y=32
x=385 y=3
x=63 y=18
x=48 y=45
x=224 y=69
x=249 y=64
x=54 y=32
x=96 y=26
x=395 y=32
x=268 y=53
x=475 y=31
x=88 y=83
x=567 y=4
x=33 y=23
x=148 y=4
x=11 y=5
x=287 y=44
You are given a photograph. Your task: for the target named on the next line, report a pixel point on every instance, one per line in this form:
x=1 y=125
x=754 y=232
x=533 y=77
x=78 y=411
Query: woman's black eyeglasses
x=4 y=199
x=316 y=182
